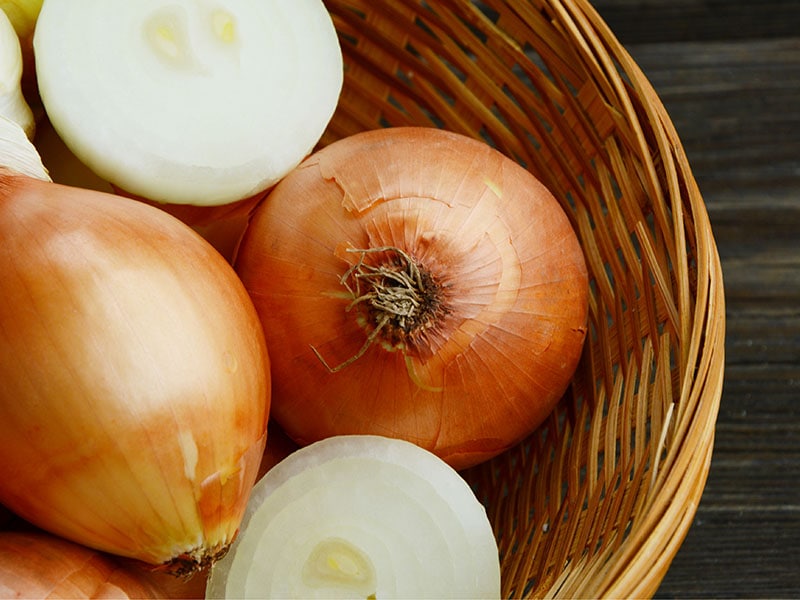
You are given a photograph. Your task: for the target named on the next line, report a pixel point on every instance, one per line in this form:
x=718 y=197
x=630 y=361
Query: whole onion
x=37 y=565
x=419 y=285
x=135 y=377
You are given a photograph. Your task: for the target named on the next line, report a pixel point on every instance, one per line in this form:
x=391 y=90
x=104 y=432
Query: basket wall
x=597 y=502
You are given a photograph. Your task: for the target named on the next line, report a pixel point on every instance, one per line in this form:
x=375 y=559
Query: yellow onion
x=420 y=285
x=35 y=564
x=135 y=377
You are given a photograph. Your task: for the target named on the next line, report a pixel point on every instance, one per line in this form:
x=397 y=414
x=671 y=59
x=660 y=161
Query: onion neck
x=187 y=565
x=400 y=301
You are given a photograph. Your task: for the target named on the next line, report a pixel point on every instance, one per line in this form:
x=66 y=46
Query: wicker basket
x=598 y=501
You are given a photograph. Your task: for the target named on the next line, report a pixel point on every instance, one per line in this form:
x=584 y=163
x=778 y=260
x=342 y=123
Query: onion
x=279 y=446
x=185 y=102
x=36 y=565
x=420 y=285
x=135 y=378
x=361 y=517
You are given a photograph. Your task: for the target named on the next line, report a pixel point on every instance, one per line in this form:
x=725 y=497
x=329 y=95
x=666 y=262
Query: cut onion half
x=189 y=102
x=361 y=516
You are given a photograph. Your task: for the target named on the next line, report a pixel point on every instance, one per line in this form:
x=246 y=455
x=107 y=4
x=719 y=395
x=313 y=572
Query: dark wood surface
x=728 y=72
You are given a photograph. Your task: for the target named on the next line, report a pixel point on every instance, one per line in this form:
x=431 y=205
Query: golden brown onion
x=452 y=269
x=38 y=565
x=135 y=384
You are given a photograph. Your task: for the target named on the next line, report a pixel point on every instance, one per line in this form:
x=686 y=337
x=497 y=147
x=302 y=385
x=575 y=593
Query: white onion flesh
x=361 y=516
x=189 y=102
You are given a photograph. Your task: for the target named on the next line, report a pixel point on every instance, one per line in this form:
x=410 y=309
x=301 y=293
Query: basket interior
x=598 y=500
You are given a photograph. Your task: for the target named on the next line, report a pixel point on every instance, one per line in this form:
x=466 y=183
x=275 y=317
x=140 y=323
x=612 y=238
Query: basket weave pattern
x=598 y=500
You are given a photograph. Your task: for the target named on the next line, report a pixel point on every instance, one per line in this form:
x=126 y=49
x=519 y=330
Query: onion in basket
x=361 y=517
x=36 y=565
x=420 y=285
x=191 y=105
x=135 y=377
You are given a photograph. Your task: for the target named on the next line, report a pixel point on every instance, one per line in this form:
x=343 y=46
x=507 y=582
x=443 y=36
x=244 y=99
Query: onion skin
x=509 y=275
x=135 y=377
x=38 y=565
x=279 y=446
x=222 y=225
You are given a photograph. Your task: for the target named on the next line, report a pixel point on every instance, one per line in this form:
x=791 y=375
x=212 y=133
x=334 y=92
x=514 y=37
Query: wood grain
x=728 y=73
x=638 y=21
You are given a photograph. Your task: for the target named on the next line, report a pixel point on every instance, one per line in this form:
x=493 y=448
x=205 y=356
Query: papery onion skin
x=135 y=377
x=222 y=226
x=510 y=276
x=38 y=565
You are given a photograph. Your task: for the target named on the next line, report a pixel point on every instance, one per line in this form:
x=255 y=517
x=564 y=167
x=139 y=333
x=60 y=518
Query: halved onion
x=361 y=517
x=185 y=102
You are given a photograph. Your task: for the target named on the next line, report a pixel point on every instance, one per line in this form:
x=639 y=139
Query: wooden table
x=728 y=72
